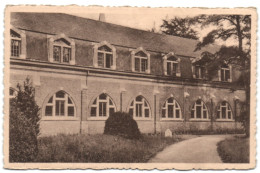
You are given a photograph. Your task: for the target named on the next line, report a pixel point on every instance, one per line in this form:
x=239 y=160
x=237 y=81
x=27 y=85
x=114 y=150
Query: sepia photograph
x=133 y=88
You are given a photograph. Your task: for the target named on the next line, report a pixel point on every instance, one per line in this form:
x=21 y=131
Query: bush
x=122 y=124
x=24 y=125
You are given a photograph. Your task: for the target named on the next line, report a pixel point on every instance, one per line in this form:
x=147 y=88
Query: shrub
x=122 y=124
x=24 y=125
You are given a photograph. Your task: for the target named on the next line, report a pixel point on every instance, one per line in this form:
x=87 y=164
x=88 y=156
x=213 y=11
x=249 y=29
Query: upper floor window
x=200 y=72
x=139 y=108
x=102 y=107
x=224 y=111
x=225 y=73
x=171 y=109
x=60 y=105
x=140 y=60
x=18 y=43
x=199 y=110
x=104 y=55
x=15 y=44
x=61 y=49
x=171 y=65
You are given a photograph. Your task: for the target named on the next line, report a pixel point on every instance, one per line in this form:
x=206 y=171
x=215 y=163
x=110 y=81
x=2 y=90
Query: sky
x=144 y=19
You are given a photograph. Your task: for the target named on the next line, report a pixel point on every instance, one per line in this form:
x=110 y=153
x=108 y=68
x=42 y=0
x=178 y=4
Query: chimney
x=102 y=17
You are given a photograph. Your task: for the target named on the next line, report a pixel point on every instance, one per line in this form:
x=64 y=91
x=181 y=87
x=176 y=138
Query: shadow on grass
x=234 y=150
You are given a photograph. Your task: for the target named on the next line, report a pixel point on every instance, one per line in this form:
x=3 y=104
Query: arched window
x=140 y=60
x=224 y=111
x=12 y=93
x=102 y=107
x=171 y=109
x=60 y=105
x=199 y=110
x=139 y=108
x=104 y=55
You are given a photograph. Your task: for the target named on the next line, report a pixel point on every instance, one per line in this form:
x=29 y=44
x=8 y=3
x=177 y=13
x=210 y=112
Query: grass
x=234 y=150
x=100 y=148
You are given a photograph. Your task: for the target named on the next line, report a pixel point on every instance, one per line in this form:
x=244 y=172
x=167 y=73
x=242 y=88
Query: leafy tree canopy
x=181 y=27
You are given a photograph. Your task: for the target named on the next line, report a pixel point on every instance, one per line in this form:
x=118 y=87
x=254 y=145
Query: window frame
x=54 y=98
x=105 y=57
x=194 y=108
x=228 y=109
x=134 y=57
x=22 y=39
x=52 y=44
x=62 y=47
x=95 y=55
x=165 y=107
x=96 y=105
x=145 y=106
x=166 y=61
x=200 y=72
x=226 y=79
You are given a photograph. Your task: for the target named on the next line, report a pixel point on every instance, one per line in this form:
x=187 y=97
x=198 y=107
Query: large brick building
x=84 y=69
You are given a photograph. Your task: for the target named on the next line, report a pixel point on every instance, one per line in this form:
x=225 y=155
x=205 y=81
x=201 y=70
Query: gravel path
x=196 y=150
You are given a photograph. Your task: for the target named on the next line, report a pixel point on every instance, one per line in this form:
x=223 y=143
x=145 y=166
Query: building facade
x=83 y=70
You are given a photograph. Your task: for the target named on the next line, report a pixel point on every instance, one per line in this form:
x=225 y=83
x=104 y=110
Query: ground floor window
x=139 y=108
x=60 y=105
x=199 y=110
x=102 y=106
x=224 y=111
x=171 y=109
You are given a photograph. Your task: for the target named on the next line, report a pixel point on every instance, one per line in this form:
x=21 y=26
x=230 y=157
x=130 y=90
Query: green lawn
x=234 y=150
x=100 y=148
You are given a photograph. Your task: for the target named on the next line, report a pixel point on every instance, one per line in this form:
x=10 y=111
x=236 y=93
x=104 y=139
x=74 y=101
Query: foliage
x=100 y=148
x=23 y=125
x=234 y=150
x=238 y=29
x=122 y=124
x=179 y=27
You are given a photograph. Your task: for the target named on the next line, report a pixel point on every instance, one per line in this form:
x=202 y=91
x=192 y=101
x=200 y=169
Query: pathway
x=196 y=150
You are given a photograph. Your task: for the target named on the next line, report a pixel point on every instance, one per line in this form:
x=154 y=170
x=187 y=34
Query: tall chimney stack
x=102 y=17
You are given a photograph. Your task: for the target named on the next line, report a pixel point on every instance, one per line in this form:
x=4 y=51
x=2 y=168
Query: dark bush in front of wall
x=122 y=124
x=23 y=125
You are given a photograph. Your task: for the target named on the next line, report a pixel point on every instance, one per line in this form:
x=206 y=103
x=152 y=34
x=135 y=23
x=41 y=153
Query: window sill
x=51 y=118
x=206 y=120
x=172 y=119
x=98 y=118
x=143 y=119
x=225 y=120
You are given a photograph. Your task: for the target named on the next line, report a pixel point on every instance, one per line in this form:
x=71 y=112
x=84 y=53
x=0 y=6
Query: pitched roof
x=97 y=31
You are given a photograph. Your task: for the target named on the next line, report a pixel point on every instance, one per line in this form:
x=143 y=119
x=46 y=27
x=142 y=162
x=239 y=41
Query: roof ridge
x=161 y=34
